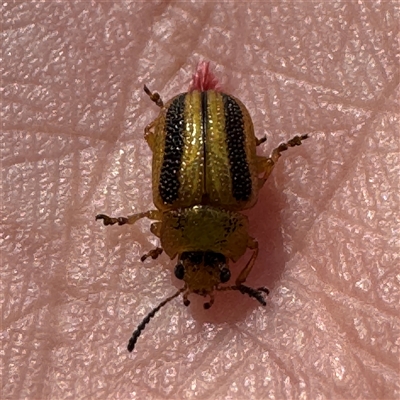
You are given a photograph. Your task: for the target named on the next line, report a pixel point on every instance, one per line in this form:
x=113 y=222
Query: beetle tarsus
x=111 y=221
x=154 y=96
x=263 y=289
x=254 y=293
x=152 y=253
x=209 y=303
x=266 y=165
x=261 y=140
x=295 y=141
x=186 y=301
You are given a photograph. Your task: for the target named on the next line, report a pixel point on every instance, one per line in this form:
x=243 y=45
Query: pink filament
x=203 y=79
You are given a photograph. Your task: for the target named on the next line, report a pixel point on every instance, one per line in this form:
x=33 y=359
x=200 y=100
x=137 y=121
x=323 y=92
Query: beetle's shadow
x=265 y=226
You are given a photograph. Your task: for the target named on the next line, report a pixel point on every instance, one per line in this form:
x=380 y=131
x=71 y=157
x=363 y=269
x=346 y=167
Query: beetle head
x=202 y=272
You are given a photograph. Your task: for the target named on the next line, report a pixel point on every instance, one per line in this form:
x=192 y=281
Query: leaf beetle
x=205 y=171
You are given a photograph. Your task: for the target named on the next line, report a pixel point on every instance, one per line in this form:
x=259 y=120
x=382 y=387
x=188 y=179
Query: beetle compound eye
x=179 y=271
x=225 y=275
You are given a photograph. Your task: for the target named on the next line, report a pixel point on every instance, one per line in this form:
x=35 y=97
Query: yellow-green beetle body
x=205 y=171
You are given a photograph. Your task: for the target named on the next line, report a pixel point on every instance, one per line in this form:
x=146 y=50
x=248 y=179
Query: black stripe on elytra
x=204 y=117
x=169 y=184
x=235 y=138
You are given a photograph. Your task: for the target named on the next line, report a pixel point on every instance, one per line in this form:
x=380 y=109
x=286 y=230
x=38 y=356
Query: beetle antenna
x=254 y=293
x=146 y=320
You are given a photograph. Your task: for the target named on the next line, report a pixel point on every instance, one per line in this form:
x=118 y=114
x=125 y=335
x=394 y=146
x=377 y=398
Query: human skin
x=73 y=118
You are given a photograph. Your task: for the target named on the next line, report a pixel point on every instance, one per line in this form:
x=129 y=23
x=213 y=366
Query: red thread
x=203 y=79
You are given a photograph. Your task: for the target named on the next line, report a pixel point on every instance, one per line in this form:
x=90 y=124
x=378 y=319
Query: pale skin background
x=73 y=119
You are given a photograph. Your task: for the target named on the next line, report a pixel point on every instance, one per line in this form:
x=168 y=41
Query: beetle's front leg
x=241 y=279
x=253 y=245
x=155 y=229
x=267 y=164
x=130 y=219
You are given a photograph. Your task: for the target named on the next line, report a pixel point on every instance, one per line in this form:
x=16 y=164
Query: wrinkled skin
x=73 y=147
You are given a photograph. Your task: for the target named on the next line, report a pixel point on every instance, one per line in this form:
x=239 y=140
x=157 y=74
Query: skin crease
x=74 y=113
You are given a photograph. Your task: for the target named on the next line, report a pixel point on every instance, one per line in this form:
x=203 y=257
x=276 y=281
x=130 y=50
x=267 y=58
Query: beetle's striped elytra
x=205 y=171
x=204 y=153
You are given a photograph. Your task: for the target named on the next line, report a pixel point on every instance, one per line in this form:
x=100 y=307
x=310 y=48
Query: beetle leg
x=252 y=244
x=263 y=289
x=149 y=135
x=267 y=164
x=241 y=279
x=186 y=301
x=261 y=140
x=152 y=253
x=130 y=219
x=154 y=96
x=155 y=229
x=149 y=128
x=209 y=303
x=254 y=293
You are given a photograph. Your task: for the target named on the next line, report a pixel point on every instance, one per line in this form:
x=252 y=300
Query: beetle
x=205 y=171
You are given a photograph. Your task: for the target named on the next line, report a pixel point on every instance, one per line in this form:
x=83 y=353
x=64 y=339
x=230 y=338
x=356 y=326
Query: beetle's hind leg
x=267 y=164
